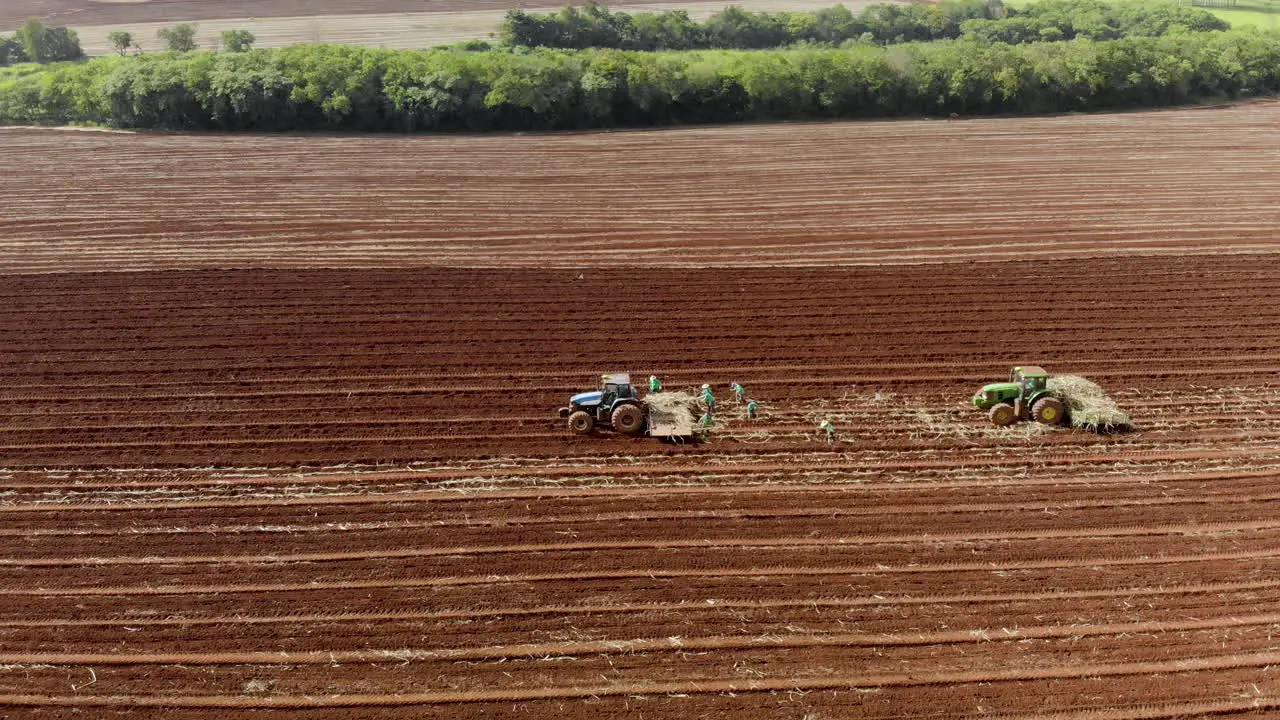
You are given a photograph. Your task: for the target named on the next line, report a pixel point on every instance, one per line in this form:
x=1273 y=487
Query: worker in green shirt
x=655 y=385
x=829 y=429
x=738 y=391
x=751 y=409
x=708 y=398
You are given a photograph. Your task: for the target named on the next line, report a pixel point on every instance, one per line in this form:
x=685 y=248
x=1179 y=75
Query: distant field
x=394 y=30
x=810 y=194
x=87 y=15
x=1259 y=13
x=110 y=12
x=90 y=13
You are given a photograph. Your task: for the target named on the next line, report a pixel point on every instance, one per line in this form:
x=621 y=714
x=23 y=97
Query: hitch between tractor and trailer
x=617 y=406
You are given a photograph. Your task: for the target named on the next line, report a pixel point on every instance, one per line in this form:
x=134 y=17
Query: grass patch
x=14 y=72
x=1264 y=15
x=1256 y=13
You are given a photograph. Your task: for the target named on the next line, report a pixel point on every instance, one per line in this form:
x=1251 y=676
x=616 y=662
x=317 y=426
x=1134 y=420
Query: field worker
x=655 y=385
x=708 y=398
x=706 y=420
x=738 y=391
x=751 y=409
x=829 y=429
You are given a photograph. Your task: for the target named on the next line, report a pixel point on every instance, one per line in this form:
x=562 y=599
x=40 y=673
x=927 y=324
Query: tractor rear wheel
x=1049 y=411
x=581 y=422
x=1002 y=414
x=628 y=419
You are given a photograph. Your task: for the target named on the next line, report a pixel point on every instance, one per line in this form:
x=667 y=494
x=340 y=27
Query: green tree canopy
x=34 y=44
x=237 y=41
x=11 y=51
x=179 y=38
x=42 y=44
x=121 y=41
x=325 y=87
x=988 y=21
x=61 y=44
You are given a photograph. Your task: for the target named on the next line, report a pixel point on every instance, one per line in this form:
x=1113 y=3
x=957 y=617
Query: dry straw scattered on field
x=1088 y=405
x=932 y=425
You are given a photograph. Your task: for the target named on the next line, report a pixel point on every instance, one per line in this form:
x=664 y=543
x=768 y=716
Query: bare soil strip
x=134 y=14
x=1044 y=189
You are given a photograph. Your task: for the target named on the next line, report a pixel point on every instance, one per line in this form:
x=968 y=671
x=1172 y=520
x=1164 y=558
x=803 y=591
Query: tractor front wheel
x=1049 y=411
x=628 y=419
x=1002 y=414
x=581 y=422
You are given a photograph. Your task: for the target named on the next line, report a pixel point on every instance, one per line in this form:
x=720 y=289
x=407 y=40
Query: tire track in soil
x=1180 y=665
x=372 y=481
x=59 y=506
x=476 y=520
x=717 y=543
x=1080 y=365
x=1251 y=416
x=681 y=607
x=777 y=570
x=642 y=645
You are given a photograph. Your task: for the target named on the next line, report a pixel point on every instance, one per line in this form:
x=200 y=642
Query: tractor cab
x=613 y=388
x=1030 y=379
x=601 y=403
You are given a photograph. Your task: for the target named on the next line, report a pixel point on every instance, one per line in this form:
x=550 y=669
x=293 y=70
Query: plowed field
x=118 y=12
x=445 y=23
x=375 y=23
x=1162 y=183
x=343 y=491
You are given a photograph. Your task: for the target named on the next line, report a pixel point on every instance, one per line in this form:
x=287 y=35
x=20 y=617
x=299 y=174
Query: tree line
x=595 y=26
x=35 y=42
x=322 y=87
x=182 y=38
x=40 y=44
x=1067 y=19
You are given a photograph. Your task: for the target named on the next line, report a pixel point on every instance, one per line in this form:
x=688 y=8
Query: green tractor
x=1025 y=397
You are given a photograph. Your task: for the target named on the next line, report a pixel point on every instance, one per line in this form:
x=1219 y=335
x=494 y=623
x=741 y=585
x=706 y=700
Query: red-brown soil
x=343 y=491
x=96 y=12
x=1158 y=183
x=257 y=555
x=324 y=367
x=105 y=12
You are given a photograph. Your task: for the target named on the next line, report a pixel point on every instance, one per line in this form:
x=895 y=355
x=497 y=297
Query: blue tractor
x=614 y=405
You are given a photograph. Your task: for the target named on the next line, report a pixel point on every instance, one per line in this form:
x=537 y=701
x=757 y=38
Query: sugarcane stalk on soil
x=1088 y=405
